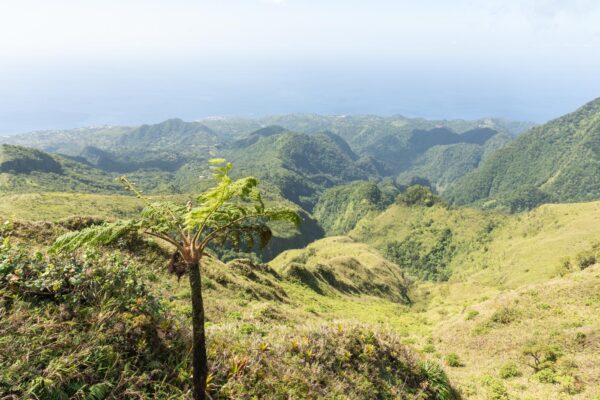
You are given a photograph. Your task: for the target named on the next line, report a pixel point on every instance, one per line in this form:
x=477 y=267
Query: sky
x=71 y=63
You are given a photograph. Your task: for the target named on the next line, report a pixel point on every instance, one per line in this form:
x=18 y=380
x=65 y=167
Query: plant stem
x=199 y=360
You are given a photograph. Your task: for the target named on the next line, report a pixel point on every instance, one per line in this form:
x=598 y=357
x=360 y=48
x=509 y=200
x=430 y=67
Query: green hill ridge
x=28 y=170
x=560 y=158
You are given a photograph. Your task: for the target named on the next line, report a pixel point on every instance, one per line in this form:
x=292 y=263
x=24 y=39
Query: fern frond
x=163 y=216
x=95 y=235
x=99 y=391
x=282 y=214
x=225 y=195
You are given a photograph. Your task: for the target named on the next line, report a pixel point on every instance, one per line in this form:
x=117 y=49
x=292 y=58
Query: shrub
x=580 y=338
x=569 y=384
x=352 y=361
x=418 y=195
x=545 y=375
x=87 y=282
x=247 y=328
x=495 y=388
x=437 y=380
x=471 y=315
x=453 y=360
x=509 y=370
x=429 y=348
x=413 y=256
x=542 y=356
x=564 y=267
x=504 y=315
x=586 y=259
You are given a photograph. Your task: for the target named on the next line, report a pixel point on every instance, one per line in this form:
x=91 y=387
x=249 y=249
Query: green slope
x=560 y=158
x=340 y=208
x=486 y=249
x=115 y=325
x=442 y=165
x=495 y=338
x=515 y=281
x=301 y=166
x=28 y=170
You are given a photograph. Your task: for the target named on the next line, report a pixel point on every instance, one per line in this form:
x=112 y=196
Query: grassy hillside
x=560 y=158
x=514 y=283
x=48 y=206
x=520 y=286
x=424 y=239
x=54 y=206
x=344 y=266
x=506 y=303
x=487 y=248
x=499 y=340
x=131 y=326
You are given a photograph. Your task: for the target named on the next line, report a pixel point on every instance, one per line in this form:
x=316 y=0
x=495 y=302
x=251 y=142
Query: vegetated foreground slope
x=111 y=324
x=293 y=313
x=560 y=159
x=540 y=341
x=507 y=302
x=517 y=317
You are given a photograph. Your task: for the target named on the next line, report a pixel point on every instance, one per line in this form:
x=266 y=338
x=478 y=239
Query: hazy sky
x=68 y=63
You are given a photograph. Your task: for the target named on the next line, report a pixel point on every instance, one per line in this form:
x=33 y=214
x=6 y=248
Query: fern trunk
x=199 y=360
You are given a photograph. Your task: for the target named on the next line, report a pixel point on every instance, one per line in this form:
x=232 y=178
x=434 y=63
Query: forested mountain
x=28 y=170
x=300 y=165
x=301 y=154
x=559 y=160
x=340 y=208
x=442 y=165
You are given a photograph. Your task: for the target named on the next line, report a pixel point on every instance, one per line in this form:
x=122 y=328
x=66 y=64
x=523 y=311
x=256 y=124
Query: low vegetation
x=130 y=322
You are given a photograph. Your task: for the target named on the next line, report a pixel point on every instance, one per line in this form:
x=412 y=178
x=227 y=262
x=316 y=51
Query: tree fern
x=232 y=212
